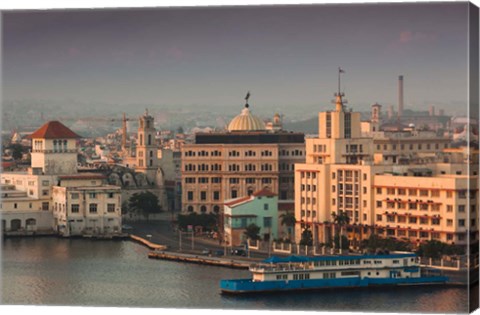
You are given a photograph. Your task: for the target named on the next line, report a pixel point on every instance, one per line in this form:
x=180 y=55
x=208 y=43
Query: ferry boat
x=321 y=272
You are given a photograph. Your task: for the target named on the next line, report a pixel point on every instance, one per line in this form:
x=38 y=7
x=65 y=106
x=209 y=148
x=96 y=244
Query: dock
x=196 y=259
x=147 y=243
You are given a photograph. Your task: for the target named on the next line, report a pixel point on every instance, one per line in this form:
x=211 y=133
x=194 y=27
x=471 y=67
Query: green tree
x=340 y=219
x=307 y=238
x=17 y=151
x=207 y=221
x=145 y=203
x=436 y=249
x=251 y=232
x=288 y=220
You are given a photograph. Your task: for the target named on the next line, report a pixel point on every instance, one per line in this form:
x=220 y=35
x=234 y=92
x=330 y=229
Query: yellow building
x=403 y=184
x=235 y=163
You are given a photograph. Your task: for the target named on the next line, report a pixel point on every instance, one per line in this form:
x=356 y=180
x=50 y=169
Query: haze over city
x=287 y=56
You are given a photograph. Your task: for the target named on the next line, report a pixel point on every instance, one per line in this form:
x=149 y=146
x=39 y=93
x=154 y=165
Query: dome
x=246 y=122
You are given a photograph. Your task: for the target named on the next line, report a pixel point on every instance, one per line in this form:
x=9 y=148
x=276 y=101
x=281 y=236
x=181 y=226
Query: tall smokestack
x=400 y=96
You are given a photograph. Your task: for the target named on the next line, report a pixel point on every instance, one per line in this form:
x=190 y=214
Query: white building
x=40 y=200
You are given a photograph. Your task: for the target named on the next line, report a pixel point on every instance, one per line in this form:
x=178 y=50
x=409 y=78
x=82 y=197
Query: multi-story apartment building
x=430 y=194
x=235 y=163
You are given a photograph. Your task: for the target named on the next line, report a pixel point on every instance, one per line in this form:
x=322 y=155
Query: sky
x=211 y=56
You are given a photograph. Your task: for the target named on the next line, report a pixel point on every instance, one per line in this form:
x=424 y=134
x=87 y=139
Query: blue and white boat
x=322 y=272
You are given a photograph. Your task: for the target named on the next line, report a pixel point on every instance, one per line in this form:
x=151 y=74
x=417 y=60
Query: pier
x=204 y=260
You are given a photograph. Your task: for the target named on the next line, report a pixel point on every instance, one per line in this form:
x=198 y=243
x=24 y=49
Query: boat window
x=322 y=263
x=357 y=261
x=366 y=262
x=352 y=262
x=346 y=262
x=350 y=273
x=307 y=276
x=340 y=262
x=334 y=263
x=328 y=262
x=377 y=262
x=396 y=261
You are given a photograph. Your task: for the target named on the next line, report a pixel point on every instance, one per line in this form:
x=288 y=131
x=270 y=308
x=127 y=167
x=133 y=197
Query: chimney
x=400 y=96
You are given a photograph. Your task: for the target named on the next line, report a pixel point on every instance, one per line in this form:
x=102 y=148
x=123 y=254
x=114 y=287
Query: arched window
x=149 y=139
x=216 y=209
x=203 y=209
x=190 y=209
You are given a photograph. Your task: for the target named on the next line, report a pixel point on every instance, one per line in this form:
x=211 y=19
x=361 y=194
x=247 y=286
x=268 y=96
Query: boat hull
x=242 y=286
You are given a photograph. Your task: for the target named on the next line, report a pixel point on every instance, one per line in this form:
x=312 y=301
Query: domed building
x=247 y=157
x=246 y=121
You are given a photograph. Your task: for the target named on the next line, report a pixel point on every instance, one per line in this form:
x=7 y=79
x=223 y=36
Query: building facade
x=232 y=164
x=402 y=183
x=260 y=208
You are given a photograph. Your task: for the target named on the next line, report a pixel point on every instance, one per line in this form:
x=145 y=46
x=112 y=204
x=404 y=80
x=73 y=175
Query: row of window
x=423 y=234
x=45 y=205
x=231 y=153
x=231 y=167
x=91 y=195
x=391 y=191
x=428 y=146
x=348 y=175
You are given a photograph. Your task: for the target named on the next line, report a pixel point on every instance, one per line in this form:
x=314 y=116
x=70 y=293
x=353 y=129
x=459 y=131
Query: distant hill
x=309 y=126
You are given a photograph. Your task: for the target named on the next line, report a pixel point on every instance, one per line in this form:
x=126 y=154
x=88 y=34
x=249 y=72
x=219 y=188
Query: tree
x=307 y=238
x=17 y=151
x=145 y=203
x=251 y=232
x=207 y=221
x=288 y=219
x=341 y=219
x=436 y=249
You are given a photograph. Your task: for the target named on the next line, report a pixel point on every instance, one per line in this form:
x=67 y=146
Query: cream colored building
x=38 y=201
x=232 y=164
x=432 y=194
x=83 y=205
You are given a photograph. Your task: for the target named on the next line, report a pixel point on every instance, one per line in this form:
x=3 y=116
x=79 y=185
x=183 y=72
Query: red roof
x=237 y=201
x=54 y=130
x=264 y=193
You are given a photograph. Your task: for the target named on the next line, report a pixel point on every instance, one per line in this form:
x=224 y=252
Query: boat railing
x=279 y=267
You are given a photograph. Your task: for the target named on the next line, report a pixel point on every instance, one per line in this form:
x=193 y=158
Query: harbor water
x=54 y=271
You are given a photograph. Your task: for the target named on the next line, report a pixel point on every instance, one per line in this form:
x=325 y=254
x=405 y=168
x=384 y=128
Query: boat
x=329 y=272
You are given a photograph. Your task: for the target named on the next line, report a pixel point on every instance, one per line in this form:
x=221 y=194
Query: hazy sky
x=284 y=55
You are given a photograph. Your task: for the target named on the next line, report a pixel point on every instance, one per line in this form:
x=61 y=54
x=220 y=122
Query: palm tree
x=341 y=219
x=288 y=219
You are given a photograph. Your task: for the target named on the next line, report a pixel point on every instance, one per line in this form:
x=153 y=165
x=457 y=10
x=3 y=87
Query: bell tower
x=147 y=161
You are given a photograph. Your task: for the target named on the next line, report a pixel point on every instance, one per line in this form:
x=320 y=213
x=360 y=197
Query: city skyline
x=285 y=55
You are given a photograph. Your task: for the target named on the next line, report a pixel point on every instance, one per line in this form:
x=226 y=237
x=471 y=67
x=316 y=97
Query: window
x=449 y=194
x=93 y=208
x=190 y=195
x=449 y=222
x=461 y=208
x=449 y=208
x=92 y=195
x=461 y=222
x=45 y=192
x=203 y=195
x=265 y=206
x=45 y=206
x=379 y=217
x=75 y=208
x=110 y=207
x=216 y=195
x=234 y=194
x=379 y=204
x=45 y=183
x=267 y=222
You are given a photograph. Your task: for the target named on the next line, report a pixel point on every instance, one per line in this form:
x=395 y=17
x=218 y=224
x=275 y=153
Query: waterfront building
x=401 y=183
x=39 y=200
x=260 y=208
x=234 y=163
